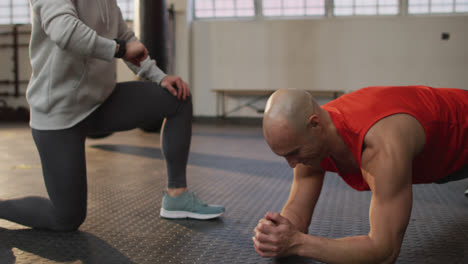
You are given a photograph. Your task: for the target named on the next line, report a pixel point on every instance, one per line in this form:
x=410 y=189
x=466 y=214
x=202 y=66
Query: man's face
x=305 y=148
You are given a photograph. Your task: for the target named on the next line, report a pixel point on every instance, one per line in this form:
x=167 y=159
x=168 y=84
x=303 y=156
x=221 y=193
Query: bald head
x=296 y=127
x=290 y=109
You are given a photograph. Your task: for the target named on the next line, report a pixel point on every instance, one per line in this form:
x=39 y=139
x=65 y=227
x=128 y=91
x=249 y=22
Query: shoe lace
x=195 y=200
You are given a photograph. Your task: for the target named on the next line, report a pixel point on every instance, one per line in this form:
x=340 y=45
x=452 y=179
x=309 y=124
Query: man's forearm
x=304 y=194
x=300 y=223
x=357 y=249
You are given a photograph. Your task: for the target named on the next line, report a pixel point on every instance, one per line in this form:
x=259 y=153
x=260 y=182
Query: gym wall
x=7 y=63
x=331 y=53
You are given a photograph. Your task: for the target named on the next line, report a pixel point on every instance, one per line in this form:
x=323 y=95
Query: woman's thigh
x=131 y=105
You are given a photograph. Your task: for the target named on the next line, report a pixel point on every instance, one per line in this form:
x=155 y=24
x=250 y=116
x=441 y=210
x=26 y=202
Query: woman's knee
x=186 y=106
x=181 y=108
x=69 y=220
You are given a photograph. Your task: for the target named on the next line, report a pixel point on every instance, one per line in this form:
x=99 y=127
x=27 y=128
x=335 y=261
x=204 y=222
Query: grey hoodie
x=72 y=51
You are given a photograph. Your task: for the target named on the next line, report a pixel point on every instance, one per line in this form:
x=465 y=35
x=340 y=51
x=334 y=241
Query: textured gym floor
x=229 y=165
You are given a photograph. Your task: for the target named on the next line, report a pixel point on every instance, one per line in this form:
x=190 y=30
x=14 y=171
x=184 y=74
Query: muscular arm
x=390 y=177
x=386 y=165
x=389 y=149
x=305 y=191
x=297 y=213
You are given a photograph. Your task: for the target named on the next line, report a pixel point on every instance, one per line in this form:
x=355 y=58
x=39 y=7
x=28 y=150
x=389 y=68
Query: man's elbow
x=390 y=259
x=382 y=251
x=387 y=255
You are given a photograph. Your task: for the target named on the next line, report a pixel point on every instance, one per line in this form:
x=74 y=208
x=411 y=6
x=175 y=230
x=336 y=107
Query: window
x=14 y=12
x=365 y=7
x=437 y=6
x=18 y=11
x=300 y=8
x=293 y=7
x=303 y=8
x=224 y=8
x=127 y=8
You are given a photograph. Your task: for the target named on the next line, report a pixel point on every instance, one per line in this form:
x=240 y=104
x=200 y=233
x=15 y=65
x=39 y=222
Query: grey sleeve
x=148 y=69
x=60 y=22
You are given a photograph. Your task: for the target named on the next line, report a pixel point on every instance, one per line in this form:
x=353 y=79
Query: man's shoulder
x=398 y=132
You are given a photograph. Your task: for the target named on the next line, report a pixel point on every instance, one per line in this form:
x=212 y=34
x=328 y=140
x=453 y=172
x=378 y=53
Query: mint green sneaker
x=187 y=205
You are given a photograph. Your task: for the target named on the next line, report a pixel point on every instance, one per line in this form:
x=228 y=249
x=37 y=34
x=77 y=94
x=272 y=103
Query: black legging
x=456 y=176
x=62 y=153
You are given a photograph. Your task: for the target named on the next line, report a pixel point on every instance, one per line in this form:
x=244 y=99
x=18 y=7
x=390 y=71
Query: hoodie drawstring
x=104 y=12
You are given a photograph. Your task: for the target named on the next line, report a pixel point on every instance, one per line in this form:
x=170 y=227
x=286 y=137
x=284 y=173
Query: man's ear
x=313 y=120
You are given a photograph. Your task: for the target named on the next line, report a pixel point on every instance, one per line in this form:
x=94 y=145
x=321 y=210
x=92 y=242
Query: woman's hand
x=182 y=90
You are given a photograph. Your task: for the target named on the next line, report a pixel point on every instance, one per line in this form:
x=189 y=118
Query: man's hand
x=275 y=236
x=182 y=87
x=136 y=52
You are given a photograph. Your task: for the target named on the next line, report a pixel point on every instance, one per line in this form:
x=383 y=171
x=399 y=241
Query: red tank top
x=443 y=112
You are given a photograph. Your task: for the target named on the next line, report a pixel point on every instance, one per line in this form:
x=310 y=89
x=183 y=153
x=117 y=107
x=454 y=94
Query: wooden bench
x=257 y=95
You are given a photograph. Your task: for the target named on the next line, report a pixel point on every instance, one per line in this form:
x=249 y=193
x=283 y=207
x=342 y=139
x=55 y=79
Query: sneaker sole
x=184 y=214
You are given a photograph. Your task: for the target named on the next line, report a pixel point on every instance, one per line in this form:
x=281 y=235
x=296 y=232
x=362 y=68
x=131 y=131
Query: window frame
x=403 y=10
x=125 y=13
x=326 y=2
x=256 y=8
x=453 y=13
x=10 y=5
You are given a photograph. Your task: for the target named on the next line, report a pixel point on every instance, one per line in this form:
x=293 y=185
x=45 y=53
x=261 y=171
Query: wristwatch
x=122 y=48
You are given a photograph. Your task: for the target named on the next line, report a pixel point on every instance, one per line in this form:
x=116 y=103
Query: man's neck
x=336 y=145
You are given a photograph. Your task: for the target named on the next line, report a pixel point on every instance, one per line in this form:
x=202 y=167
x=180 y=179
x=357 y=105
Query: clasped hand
x=275 y=236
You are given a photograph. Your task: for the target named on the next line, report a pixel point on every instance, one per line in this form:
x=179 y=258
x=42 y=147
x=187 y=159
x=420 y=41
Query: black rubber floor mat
x=126 y=178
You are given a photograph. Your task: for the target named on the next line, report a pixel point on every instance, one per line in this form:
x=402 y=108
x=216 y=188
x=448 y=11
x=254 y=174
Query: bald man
x=382 y=139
